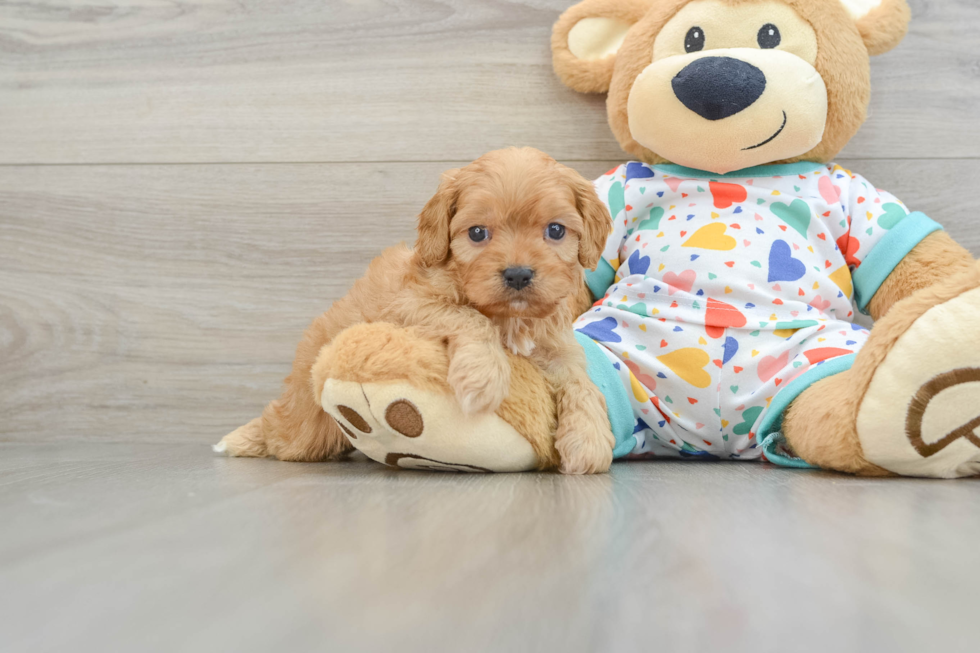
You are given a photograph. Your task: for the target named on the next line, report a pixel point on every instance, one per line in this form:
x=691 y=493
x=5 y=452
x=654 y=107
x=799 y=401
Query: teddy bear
x=724 y=319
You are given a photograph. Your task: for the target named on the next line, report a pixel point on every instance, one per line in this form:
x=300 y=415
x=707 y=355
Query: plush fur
x=844 y=47
x=451 y=289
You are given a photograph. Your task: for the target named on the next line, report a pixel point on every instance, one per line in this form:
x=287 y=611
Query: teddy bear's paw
x=584 y=450
x=479 y=374
x=400 y=425
x=921 y=413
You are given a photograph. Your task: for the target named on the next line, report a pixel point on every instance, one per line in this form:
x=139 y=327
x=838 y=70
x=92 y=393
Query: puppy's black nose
x=719 y=87
x=518 y=278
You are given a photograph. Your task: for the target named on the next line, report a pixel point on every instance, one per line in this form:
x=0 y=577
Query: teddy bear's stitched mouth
x=771 y=138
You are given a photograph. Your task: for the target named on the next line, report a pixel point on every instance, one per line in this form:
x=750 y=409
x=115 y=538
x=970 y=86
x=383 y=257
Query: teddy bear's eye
x=479 y=234
x=556 y=231
x=694 y=42
x=769 y=37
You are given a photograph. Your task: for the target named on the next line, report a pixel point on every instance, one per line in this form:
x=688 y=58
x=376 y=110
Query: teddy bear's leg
x=386 y=387
x=910 y=403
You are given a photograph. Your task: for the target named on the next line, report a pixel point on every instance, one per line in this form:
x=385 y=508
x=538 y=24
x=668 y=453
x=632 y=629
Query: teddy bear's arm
x=937 y=258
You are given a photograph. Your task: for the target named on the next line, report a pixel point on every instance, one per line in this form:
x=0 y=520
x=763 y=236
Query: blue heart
x=677 y=329
x=750 y=306
x=602 y=331
x=660 y=194
x=759 y=231
x=636 y=170
x=638 y=264
x=695 y=257
x=656 y=289
x=782 y=265
x=731 y=348
x=738 y=209
x=701 y=293
x=661 y=375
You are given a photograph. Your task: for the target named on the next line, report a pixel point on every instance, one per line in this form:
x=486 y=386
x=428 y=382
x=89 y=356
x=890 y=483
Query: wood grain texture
x=149 y=303
x=378 y=80
x=165 y=548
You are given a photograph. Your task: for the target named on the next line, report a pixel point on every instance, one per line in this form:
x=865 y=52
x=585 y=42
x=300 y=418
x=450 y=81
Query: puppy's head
x=516 y=229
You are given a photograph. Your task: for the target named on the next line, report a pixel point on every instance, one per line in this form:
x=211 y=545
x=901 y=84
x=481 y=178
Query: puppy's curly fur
x=493 y=215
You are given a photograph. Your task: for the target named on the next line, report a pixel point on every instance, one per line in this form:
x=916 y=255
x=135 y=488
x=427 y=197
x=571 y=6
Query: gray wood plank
x=163 y=303
x=400 y=80
x=165 y=548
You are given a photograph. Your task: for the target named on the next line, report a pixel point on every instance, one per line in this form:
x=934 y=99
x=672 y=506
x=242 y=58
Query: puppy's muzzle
x=718 y=87
x=518 y=278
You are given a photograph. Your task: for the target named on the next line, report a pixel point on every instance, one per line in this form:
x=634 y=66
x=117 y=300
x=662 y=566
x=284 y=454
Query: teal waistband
x=605 y=377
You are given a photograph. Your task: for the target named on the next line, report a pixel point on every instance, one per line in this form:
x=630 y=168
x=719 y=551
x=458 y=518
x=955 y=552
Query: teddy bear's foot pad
x=402 y=426
x=921 y=413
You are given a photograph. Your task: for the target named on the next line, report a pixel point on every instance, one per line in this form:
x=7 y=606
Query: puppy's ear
x=595 y=218
x=432 y=244
x=882 y=23
x=586 y=38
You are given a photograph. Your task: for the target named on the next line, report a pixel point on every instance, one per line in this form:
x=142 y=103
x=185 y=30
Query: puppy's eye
x=694 y=42
x=555 y=231
x=479 y=234
x=769 y=37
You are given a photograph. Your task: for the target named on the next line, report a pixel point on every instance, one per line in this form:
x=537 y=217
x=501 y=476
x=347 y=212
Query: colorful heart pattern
x=724 y=291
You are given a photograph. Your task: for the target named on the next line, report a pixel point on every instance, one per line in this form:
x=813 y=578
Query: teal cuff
x=600 y=279
x=605 y=377
x=888 y=253
x=769 y=431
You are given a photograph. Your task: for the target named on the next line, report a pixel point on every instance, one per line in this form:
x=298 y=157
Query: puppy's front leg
x=584 y=439
x=479 y=372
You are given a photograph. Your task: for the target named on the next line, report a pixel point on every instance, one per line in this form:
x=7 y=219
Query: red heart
x=663 y=343
x=730 y=264
x=849 y=246
x=822 y=236
x=738 y=370
x=824 y=353
x=727 y=194
x=721 y=316
x=692 y=400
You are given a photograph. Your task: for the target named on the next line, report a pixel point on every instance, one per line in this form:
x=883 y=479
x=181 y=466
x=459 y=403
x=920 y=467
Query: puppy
x=499 y=260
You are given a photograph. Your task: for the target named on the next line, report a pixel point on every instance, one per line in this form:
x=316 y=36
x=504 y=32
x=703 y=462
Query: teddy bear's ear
x=882 y=23
x=586 y=38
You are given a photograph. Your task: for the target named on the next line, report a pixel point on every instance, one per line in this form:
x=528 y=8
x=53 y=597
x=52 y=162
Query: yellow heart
x=672 y=207
x=689 y=364
x=711 y=236
x=755 y=353
x=776 y=192
x=821 y=340
x=724 y=423
x=773 y=317
x=870 y=216
x=842 y=277
x=811 y=249
x=728 y=289
x=638 y=391
x=715 y=215
x=662 y=266
x=655 y=311
x=702 y=341
x=625 y=299
x=815 y=285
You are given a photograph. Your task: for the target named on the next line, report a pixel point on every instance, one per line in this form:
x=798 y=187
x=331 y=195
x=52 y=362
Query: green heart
x=893 y=214
x=734 y=389
x=712 y=276
x=668 y=400
x=696 y=306
x=755 y=334
x=639 y=309
x=617 y=200
x=796 y=215
x=643 y=190
x=641 y=348
x=653 y=222
x=749 y=418
x=761 y=202
x=757 y=264
x=664 y=249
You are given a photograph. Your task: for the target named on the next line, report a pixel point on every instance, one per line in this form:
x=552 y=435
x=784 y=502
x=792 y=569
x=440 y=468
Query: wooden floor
x=184 y=186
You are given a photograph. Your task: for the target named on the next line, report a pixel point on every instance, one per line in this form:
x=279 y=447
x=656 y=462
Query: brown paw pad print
x=355 y=419
x=917 y=411
x=403 y=417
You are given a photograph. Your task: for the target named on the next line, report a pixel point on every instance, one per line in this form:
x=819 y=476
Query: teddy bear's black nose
x=719 y=87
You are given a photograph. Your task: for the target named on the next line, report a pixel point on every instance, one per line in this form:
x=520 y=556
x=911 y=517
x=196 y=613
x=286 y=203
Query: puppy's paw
x=584 y=450
x=480 y=377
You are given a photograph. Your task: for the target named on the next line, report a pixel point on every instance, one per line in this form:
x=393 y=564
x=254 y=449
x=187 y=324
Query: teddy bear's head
x=723 y=85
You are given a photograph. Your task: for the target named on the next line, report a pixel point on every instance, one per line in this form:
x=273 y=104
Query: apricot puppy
x=499 y=262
